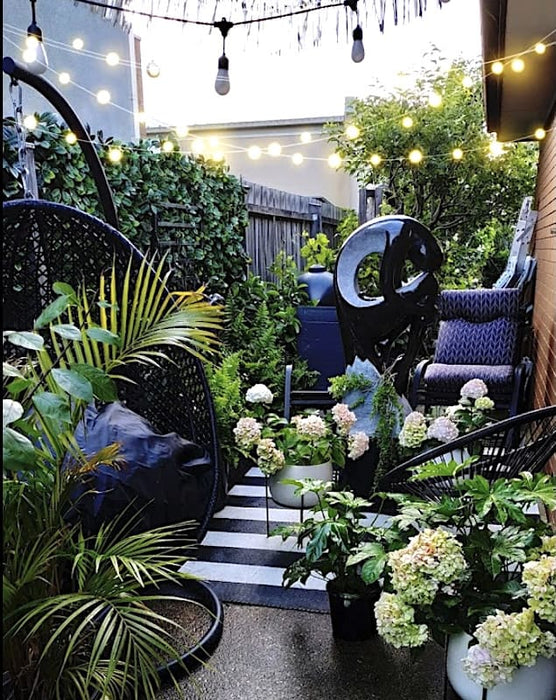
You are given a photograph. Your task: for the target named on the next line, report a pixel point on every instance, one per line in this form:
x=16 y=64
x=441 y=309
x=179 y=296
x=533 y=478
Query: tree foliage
x=471 y=204
x=213 y=201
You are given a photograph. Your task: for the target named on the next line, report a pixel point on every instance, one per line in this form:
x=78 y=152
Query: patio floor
x=272 y=654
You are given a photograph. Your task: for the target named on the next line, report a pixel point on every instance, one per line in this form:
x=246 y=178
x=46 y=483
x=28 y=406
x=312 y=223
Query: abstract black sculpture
x=370 y=326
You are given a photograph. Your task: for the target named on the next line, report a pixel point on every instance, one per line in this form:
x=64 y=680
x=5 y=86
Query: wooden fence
x=277 y=221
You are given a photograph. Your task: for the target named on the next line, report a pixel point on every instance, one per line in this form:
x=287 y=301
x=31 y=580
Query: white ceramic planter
x=284 y=494
x=536 y=682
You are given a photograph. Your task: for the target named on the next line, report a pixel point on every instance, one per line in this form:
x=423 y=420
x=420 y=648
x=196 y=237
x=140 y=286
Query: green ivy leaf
x=73 y=383
x=64 y=289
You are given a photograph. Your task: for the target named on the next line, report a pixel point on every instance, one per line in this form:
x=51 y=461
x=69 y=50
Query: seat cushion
x=462 y=342
x=479 y=305
x=447 y=380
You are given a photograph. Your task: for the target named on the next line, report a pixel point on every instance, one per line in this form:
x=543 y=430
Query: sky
x=309 y=82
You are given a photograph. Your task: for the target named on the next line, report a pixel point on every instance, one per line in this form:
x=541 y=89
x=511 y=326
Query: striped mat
x=243 y=564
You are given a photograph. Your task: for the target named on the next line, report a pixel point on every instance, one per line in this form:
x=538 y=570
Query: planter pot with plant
x=348 y=554
x=479 y=570
x=306 y=446
x=77 y=621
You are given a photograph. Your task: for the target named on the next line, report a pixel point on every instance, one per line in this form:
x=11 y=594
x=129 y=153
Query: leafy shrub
x=213 y=200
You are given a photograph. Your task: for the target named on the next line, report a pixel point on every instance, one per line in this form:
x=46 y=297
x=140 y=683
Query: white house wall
x=61 y=21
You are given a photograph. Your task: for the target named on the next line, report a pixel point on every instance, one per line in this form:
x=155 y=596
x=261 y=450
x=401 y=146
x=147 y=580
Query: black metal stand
x=266 y=497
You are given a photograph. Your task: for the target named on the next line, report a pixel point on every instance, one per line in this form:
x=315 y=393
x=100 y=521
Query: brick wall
x=544 y=313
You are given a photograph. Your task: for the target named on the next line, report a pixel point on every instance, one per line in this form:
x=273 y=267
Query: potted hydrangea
x=473 y=411
x=306 y=446
x=478 y=570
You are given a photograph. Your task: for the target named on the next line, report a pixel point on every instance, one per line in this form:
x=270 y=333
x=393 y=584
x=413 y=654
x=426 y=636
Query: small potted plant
x=421 y=432
x=306 y=446
x=481 y=571
x=349 y=554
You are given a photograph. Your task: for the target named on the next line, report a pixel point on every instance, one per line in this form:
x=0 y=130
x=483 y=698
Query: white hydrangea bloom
x=259 y=393
x=443 y=429
x=474 y=389
x=358 y=444
x=540 y=579
x=247 y=433
x=343 y=417
x=312 y=426
x=395 y=622
x=484 y=403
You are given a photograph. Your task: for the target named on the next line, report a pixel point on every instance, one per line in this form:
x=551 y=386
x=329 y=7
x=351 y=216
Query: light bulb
x=274 y=149
x=218 y=156
x=254 y=152
x=182 y=131
x=407 y=122
x=467 y=82
x=517 y=65
x=334 y=160
x=167 y=146
x=222 y=82
x=435 y=100
x=497 y=67
x=30 y=122
x=213 y=141
x=375 y=159
x=64 y=78
x=153 y=69
x=352 y=131
x=115 y=155
x=77 y=44
x=35 y=54
x=457 y=154
x=540 y=134
x=297 y=158
x=112 y=58
x=103 y=97
x=540 y=48
x=495 y=149
x=71 y=138
x=415 y=156
x=357 y=50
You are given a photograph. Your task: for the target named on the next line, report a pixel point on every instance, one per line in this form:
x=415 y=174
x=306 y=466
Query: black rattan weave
x=44 y=243
x=504 y=449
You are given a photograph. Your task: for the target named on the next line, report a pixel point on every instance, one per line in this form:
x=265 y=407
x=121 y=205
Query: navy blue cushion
x=443 y=379
x=479 y=304
x=463 y=342
x=167 y=478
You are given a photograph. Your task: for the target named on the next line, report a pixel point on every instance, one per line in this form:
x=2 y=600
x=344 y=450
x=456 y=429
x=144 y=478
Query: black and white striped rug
x=243 y=564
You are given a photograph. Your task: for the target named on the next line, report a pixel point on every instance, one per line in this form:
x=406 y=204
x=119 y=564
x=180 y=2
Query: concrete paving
x=271 y=654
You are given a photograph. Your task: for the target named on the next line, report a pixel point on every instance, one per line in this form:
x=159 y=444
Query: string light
x=334 y=160
x=497 y=67
x=71 y=138
x=103 y=97
x=495 y=149
x=540 y=48
x=115 y=155
x=375 y=159
x=153 y=69
x=254 y=152
x=517 y=65
x=352 y=131
x=305 y=137
x=112 y=58
x=168 y=146
x=435 y=99
x=407 y=122
x=213 y=141
x=467 y=82
x=457 y=154
x=64 y=78
x=78 y=44
x=30 y=122
x=540 y=134
x=35 y=54
x=415 y=156
x=274 y=149
x=357 y=50
x=222 y=82
x=297 y=158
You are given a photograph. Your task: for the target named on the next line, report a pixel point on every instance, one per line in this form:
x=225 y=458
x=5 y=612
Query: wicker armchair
x=504 y=449
x=45 y=243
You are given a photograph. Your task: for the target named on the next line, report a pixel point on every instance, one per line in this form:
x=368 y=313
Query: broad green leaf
x=26 y=339
x=73 y=383
x=17 y=451
x=53 y=406
x=104 y=387
x=373 y=568
x=101 y=335
x=18 y=385
x=11 y=411
x=52 y=311
x=10 y=371
x=64 y=289
x=67 y=330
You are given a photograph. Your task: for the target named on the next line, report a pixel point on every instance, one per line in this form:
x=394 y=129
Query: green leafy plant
x=75 y=606
x=317 y=251
x=475 y=561
x=339 y=546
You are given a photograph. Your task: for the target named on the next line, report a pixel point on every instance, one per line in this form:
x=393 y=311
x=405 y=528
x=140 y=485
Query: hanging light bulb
x=357 y=50
x=35 y=53
x=222 y=82
x=153 y=69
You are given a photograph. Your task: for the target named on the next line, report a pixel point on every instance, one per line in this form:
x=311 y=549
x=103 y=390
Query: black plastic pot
x=352 y=614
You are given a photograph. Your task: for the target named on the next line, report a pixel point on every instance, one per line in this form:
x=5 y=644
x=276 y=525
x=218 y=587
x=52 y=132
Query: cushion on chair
x=448 y=379
x=165 y=476
x=464 y=342
x=479 y=305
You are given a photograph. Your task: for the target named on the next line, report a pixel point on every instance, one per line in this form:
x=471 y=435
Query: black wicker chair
x=45 y=243
x=504 y=449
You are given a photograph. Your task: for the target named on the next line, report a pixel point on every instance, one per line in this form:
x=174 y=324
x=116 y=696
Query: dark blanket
x=167 y=478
